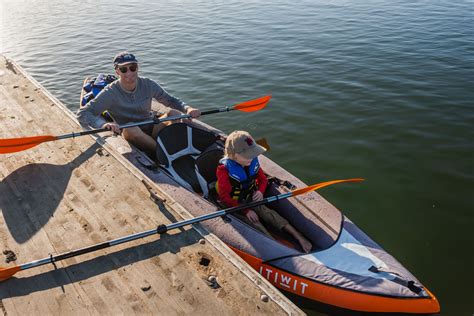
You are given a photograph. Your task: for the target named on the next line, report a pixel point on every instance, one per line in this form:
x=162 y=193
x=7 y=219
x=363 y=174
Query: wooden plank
x=68 y=194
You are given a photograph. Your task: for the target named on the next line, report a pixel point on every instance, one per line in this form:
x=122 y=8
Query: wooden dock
x=68 y=194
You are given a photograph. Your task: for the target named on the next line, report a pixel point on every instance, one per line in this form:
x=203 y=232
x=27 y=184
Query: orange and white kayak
x=345 y=269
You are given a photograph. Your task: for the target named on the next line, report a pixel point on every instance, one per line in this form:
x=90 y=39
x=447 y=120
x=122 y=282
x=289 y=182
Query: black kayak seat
x=179 y=145
x=206 y=165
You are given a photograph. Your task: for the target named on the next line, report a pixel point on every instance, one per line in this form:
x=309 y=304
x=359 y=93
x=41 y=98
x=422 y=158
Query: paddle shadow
x=22 y=286
x=30 y=195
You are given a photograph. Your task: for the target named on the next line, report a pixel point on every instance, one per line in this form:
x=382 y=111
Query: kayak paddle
x=8 y=272
x=263 y=142
x=11 y=145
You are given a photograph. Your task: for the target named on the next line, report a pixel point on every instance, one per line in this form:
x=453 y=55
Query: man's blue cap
x=124 y=58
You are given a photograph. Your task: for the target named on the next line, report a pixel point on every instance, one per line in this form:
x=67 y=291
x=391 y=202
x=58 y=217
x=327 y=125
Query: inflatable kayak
x=345 y=269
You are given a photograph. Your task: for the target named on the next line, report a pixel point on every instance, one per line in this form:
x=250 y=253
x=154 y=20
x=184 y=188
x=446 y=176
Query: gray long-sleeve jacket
x=126 y=107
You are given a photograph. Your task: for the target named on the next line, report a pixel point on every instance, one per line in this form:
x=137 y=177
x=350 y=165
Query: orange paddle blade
x=253 y=105
x=322 y=185
x=6 y=273
x=11 y=145
x=263 y=142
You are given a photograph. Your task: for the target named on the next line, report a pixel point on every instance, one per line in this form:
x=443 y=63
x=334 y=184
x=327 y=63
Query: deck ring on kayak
x=416 y=289
x=410 y=284
x=279 y=182
x=289 y=185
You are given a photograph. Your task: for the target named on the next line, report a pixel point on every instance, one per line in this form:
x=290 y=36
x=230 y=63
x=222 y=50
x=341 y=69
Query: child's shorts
x=267 y=217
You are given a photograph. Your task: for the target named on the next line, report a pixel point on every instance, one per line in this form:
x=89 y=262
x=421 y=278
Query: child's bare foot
x=305 y=244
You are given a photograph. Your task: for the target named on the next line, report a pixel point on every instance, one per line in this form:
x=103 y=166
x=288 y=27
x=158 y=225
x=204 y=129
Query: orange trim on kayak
x=336 y=296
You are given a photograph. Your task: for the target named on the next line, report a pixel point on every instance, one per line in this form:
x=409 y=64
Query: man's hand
x=252 y=216
x=257 y=196
x=157 y=115
x=114 y=127
x=195 y=113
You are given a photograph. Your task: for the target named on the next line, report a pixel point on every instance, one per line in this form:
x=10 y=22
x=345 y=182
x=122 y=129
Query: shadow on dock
x=22 y=286
x=31 y=194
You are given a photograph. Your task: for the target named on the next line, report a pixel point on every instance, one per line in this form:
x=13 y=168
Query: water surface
x=376 y=89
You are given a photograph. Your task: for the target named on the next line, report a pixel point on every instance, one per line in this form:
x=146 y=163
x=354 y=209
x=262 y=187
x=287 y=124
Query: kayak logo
x=283 y=280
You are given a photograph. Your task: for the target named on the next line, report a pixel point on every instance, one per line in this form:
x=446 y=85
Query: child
x=241 y=180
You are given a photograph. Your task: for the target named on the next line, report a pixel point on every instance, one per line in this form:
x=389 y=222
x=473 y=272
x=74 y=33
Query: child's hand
x=252 y=216
x=257 y=196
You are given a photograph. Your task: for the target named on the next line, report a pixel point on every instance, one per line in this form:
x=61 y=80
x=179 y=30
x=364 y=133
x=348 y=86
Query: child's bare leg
x=304 y=243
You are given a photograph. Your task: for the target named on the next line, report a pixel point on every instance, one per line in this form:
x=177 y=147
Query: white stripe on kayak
x=350 y=256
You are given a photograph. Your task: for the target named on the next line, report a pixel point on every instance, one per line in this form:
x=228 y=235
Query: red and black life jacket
x=242 y=179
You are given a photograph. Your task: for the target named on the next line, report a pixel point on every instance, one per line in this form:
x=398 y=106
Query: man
x=128 y=99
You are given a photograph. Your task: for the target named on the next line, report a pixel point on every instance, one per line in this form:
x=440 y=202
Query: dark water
x=376 y=89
